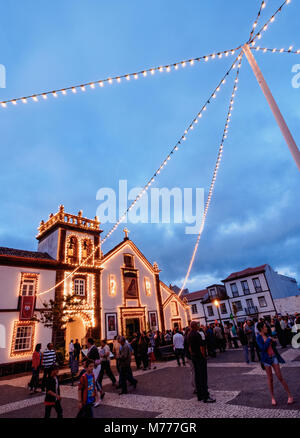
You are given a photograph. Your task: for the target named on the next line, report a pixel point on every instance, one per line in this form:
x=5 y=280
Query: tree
x=55 y=314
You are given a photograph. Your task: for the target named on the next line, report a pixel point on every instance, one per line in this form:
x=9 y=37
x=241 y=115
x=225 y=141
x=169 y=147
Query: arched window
x=147 y=286
x=72 y=250
x=112 y=285
x=86 y=251
x=128 y=260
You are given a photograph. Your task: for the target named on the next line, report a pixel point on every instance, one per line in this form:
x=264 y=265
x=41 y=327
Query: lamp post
x=217 y=304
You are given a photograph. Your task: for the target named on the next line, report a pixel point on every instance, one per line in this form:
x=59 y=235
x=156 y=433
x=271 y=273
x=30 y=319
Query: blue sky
x=64 y=150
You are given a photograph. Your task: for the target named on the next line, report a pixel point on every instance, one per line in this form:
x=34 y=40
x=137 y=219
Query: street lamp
x=217 y=304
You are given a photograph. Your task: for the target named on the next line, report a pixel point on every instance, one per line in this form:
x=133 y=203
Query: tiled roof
x=24 y=254
x=246 y=272
x=193 y=296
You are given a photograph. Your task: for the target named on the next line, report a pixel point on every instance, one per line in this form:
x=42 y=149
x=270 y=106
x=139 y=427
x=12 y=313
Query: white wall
x=42 y=335
x=280 y=285
x=183 y=312
x=10 y=278
x=199 y=316
x=289 y=305
x=113 y=266
x=170 y=317
x=50 y=244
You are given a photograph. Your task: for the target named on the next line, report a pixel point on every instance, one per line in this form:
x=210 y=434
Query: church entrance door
x=132 y=326
x=75 y=330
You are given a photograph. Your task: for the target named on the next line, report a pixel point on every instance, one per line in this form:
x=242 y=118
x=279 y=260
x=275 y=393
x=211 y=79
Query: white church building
x=119 y=292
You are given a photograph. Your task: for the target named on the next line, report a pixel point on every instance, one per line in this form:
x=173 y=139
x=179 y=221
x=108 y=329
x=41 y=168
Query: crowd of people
x=192 y=347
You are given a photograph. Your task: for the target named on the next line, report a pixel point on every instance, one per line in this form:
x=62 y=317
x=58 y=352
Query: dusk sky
x=61 y=151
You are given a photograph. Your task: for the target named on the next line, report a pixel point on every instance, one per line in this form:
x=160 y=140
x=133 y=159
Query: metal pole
x=273 y=105
x=219 y=315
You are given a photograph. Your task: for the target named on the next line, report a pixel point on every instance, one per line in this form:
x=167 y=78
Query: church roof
x=24 y=254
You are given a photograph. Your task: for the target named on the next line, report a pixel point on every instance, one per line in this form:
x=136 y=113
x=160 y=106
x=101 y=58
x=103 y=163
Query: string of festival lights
x=265 y=49
x=179 y=143
x=262 y=6
x=145 y=72
x=259 y=34
x=73 y=89
x=214 y=177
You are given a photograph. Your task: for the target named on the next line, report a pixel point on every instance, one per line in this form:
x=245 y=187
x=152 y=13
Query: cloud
x=239 y=228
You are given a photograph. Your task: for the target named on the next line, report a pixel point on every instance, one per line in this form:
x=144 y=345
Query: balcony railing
x=251 y=310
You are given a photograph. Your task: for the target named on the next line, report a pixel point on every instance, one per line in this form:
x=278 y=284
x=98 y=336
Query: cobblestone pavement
x=240 y=389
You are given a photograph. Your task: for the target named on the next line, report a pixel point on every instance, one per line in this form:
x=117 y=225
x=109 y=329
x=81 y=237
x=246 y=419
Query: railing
x=74 y=220
x=251 y=310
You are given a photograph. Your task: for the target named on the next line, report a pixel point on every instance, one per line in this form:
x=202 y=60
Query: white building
x=22 y=275
x=250 y=293
x=116 y=293
x=288 y=305
x=194 y=300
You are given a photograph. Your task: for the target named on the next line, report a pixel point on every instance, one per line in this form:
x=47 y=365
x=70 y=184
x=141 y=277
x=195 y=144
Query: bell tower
x=70 y=238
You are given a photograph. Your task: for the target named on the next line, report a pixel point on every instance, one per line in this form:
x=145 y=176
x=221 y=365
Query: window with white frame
x=213 y=293
x=234 y=290
x=245 y=287
x=249 y=303
x=28 y=287
x=23 y=338
x=238 y=306
x=194 y=309
x=257 y=285
x=210 y=311
x=79 y=287
x=262 y=302
x=223 y=308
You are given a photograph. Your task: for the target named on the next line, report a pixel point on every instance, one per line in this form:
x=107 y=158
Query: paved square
x=240 y=389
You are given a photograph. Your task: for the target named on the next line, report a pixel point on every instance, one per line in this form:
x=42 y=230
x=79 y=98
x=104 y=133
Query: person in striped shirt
x=49 y=359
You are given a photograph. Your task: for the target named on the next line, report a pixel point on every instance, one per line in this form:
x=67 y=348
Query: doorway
x=75 y=330
x=132 y=326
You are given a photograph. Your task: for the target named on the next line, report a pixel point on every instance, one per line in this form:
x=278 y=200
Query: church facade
x=119 y=292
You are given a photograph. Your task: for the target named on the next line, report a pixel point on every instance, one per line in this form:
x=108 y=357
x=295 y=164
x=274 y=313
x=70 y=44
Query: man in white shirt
x=105 y=363
x=178 y=345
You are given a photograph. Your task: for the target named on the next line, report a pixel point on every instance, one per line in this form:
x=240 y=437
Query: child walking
x=87 y=391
